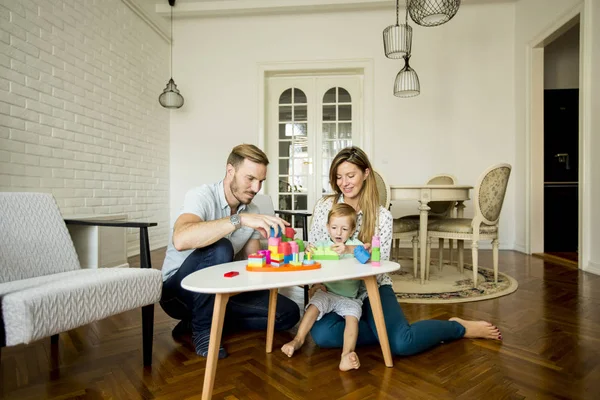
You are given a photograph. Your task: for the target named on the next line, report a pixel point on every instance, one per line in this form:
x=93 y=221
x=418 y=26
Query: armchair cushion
x=459 y=225
x=46 y=305
x=405 y=225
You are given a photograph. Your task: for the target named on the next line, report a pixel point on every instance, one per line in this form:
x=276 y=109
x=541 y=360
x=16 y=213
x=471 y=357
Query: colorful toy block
x=273 y=234
x=266 y=254
x=375 y=251
x=323 y=252
x=257 y=260
x=361 y=254
x=231 y=274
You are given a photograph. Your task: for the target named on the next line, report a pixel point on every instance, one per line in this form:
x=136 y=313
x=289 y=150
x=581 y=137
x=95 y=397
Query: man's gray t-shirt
x=209 y=203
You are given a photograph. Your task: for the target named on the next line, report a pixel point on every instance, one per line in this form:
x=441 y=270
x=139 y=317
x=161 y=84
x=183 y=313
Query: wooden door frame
x=534 y=132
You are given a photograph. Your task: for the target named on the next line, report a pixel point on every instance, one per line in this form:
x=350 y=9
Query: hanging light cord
x=397 y=12
x=406 y=13
x=171 y=42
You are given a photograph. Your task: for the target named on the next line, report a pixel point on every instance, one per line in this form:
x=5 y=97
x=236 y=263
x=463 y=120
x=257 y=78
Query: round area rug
x=450 y=286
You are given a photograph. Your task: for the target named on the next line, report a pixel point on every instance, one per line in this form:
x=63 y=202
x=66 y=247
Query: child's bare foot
x=289 y=348
x=349 y=361
x=479 y=329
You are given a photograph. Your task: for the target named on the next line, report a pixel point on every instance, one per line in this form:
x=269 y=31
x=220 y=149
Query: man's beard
x=236 y=192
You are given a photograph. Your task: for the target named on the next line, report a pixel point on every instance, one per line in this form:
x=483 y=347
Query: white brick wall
x=79 y=115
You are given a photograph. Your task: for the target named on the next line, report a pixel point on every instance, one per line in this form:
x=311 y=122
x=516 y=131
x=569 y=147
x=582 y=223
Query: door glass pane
x=299 y=96
x=301 y=202
x=300 y=129
x=325 y=187
x=345 y=112
x=299 y=113
x=285 y=202
x=345 y=130
x=329 y=113
x=284 y=184
x=329 y=96
x=286 y=97
x=343 y=96
x=284 y=149
x=285 y=113
x=300 y=184
x=328 y=131
x=284 y=166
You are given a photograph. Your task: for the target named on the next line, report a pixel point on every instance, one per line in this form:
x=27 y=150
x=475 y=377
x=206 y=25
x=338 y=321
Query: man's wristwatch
x=236 y=221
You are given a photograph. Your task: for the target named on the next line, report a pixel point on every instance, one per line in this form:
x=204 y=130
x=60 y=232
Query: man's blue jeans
x=245 y=311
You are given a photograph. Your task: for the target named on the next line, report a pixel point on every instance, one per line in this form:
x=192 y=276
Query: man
x=217 y=223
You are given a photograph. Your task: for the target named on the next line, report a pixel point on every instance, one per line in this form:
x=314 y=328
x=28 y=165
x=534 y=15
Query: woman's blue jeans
x=405 y=339
x=245 y=311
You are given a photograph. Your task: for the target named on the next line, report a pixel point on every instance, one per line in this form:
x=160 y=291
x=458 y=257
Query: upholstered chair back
x=490 y=191
x=441 y=207
x=34 y=239
x=383 y=188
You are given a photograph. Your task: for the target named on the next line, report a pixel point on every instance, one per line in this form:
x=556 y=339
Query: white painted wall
x=463 y=121
x=561 y=61
x=79 y=116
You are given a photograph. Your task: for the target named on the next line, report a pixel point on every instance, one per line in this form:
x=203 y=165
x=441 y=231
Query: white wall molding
x=148 y=18
x=593 y=267
x=219 y=8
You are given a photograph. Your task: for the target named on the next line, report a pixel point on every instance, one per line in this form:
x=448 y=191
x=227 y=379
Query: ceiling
x=219 y=8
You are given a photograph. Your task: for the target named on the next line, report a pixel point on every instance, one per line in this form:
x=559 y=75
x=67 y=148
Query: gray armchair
x=43 y=289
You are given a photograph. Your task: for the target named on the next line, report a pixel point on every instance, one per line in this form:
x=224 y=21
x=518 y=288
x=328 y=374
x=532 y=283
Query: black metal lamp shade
x=397 y=39
x=407 y=81
x=170 y=97
x=432 y=12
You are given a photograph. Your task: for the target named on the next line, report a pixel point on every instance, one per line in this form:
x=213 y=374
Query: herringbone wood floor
x=551 y=349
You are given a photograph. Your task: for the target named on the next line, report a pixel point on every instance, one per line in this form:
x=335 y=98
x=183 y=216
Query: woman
x=353 y=183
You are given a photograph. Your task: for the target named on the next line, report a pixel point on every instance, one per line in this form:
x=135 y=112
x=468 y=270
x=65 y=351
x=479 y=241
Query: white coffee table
x=211 y=280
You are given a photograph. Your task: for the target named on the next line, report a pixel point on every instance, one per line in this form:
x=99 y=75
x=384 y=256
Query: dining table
x=425 y=194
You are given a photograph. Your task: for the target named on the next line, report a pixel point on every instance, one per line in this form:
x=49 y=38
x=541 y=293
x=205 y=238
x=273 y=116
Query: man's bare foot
x=349 y=361
x=479 y=329
x=289 y=348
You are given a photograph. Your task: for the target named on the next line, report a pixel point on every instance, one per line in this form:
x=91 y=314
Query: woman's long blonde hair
x=368 y=200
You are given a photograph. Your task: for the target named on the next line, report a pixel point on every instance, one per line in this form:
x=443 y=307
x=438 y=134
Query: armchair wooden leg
x=475 y=254
x=495 y=258
x=441 y=254
x=460 y=245
x=415 y=243
x=451 y=247
x=147 y=332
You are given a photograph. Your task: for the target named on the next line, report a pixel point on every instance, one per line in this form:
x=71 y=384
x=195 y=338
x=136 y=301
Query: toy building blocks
x=266 y=254
x=257 y=260
x=361 y=254
x=231 y=274
x=273 y=234
x=308 y=258
x=375 y=251
x=323 y=252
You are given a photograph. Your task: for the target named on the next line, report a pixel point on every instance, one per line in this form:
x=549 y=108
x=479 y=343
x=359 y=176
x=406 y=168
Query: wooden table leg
x=271 y=319
x=424 y=210
x=375 y=300
x=216 y=331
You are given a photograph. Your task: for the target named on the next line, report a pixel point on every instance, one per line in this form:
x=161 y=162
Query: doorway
x=556 y=148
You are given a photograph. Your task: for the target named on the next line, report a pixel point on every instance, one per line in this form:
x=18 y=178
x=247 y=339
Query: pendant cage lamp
x=432 y=12
x=407 y=81
x=170 y=97
x=397 y=39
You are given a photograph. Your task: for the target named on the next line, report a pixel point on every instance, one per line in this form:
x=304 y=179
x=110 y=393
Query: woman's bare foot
x=479 y=329
x=289 y=348
x=349 y=361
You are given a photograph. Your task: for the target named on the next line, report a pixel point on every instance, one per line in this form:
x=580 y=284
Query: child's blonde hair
x=343 y=210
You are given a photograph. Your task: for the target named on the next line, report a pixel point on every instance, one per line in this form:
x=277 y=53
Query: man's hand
x=263 y=223
x=316 y=287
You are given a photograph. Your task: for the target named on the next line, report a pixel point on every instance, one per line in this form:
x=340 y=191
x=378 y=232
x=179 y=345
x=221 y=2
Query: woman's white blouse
x=318 y=232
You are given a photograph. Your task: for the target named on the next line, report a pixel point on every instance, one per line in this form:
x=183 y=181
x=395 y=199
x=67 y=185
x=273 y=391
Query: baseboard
x=521 y=248
x=593 y=268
